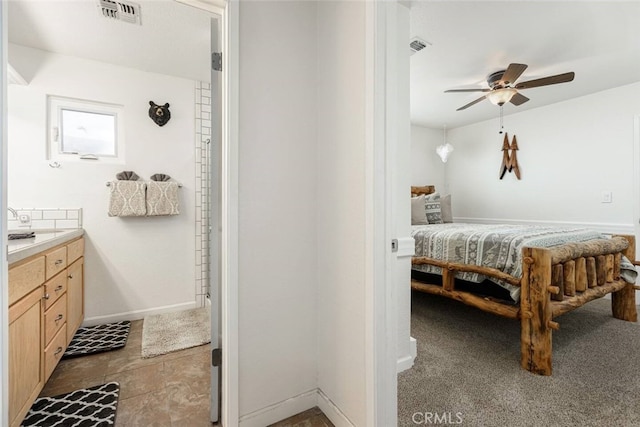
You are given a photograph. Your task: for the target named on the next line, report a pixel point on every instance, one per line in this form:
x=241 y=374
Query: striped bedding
x=495 y=245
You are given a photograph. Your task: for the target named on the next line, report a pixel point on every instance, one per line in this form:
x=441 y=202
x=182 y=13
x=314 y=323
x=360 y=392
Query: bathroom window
x=85 y=130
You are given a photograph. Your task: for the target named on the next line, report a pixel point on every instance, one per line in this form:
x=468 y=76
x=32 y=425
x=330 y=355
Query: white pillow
x=418 y=214
x=432 y=208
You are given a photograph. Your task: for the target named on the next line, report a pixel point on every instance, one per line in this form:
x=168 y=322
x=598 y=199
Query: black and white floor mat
x=99 y=338
x=87 y=407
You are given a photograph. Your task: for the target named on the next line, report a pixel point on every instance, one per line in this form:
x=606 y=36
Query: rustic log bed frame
x=554 y=281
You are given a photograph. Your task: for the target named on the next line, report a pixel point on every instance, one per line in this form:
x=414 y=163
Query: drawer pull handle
x=70 y=276
x=46 y=296
x=58 y=262
x=58 y=288
x=59 y=317
x=58 y=351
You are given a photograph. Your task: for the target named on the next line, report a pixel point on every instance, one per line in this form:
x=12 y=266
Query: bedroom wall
x=570 y=152
x=341 y=214
x=426 y=166
x=132 y=265
x=277 y=210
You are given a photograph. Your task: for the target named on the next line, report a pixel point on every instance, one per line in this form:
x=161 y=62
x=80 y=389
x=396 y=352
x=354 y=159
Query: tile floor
x=171 y=390
x=164 y=391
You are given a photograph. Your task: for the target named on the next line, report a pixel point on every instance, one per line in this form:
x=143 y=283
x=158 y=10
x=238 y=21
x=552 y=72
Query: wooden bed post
x=623 y=302
x=535 y=338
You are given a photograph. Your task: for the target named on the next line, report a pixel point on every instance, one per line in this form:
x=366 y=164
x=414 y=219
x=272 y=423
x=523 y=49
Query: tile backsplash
x=46 y=219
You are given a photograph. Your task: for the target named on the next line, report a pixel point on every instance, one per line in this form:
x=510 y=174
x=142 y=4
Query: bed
x=546 y=272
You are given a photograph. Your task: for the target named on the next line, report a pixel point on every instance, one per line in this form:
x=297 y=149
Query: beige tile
x=145 y=410
x=139 y=381
x=313 y=417
x=126 y=360
x=188 y=368
x=184 y=403
x=76 y=368
x=54 y=388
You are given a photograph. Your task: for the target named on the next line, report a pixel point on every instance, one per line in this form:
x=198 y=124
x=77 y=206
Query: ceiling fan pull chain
x=501 y=122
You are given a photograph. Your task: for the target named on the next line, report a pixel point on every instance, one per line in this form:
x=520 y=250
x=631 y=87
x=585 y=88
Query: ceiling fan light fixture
x=501 y=96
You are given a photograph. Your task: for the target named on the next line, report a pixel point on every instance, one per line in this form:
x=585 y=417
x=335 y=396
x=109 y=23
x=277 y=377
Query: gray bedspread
x=495 y=245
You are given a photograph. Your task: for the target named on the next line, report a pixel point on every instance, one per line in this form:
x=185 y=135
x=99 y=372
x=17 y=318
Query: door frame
x=229 y=13
x=4 y=266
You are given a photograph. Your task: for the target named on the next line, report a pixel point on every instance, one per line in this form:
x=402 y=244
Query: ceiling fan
x=503 y=87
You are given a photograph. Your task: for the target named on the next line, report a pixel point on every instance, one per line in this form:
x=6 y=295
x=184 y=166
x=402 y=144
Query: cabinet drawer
x=75 y=250
x=54 y=351
x=55 y=318
x=54 y=289
x=55 y=261
x=25 y=278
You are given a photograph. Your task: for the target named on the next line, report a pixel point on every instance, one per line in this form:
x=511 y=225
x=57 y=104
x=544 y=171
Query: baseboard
x=603 y=227
x=292 y=406
x=337 y=417
x=136 y=314
x=406 y=362
x=281 y=410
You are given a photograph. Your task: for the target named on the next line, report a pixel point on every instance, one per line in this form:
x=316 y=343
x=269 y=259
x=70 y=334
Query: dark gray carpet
x=468 y=370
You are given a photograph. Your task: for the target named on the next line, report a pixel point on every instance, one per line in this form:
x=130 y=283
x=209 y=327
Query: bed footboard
x=560 y=279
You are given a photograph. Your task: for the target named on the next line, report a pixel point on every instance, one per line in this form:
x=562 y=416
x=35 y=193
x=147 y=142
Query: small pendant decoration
x=509 y=157
x=160 y=114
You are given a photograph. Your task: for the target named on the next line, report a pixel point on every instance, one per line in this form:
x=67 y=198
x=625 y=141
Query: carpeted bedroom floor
x=468 y=373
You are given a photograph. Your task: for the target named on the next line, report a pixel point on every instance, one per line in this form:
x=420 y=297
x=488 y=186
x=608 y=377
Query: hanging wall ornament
x=160 y=114
x=509 y=157
x=506 y=162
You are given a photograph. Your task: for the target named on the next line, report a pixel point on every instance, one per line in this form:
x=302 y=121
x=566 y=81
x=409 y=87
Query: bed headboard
x=427 y=189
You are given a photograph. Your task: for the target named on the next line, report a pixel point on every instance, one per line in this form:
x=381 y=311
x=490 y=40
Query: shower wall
x=203 y=205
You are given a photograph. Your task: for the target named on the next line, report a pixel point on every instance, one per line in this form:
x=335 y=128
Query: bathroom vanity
x=46 y=307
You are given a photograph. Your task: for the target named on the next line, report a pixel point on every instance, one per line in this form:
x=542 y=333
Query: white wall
x=426 y=166
x=277 y=210
x=570 y=152
x=341 y=161
x=131 y=264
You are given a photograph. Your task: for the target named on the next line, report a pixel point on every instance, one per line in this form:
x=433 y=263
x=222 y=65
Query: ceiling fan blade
x=468 y=90
x=545 y=81
x=512 y=73
x=518 y=99
x=471 y=103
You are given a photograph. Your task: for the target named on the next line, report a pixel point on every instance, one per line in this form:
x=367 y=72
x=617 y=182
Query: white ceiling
x=173 y=39
x=599 y=41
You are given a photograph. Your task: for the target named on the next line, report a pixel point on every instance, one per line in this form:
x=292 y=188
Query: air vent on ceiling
x=417 y=45
x=121 y=11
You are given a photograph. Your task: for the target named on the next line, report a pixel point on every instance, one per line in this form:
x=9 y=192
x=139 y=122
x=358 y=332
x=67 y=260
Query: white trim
x=636 y=179
x=4 y=267
x=406 y=362
x=229 y=10
x=603 y=227
x=281 y=410
x=335 y=415
x=137 y=314
x=229 y=212
x=381 y=305
x=14 y=77
x=406 y=247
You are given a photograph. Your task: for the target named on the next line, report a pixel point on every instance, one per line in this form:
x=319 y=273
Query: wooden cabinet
x=75 y=297
x=26 y=351
x=43 y=317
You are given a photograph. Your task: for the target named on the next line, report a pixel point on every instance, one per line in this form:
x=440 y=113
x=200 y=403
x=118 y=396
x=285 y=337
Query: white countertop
x=20 y=249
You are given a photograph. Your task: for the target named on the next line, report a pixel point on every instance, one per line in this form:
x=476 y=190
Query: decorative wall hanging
x=160 y=114
x=509 y=157
x=445 y=149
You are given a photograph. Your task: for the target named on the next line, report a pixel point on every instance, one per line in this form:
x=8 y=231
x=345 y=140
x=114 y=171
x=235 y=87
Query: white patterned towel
x=127 y=198
x=162 y=198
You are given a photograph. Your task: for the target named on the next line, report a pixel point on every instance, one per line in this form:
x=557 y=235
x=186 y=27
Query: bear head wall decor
x=160 y=114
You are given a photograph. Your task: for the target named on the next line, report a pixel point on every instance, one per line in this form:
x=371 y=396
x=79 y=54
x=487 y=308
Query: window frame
x=55 y=107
